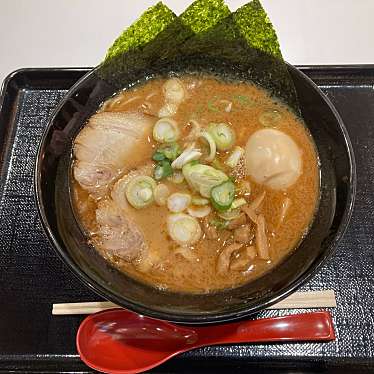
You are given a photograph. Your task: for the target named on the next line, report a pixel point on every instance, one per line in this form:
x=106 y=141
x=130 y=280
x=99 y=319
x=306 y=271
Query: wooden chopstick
x=308 y=300
x=304 y=300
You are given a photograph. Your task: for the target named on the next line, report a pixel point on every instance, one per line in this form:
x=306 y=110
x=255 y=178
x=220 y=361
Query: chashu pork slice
x=119 y=236
x=109 y=144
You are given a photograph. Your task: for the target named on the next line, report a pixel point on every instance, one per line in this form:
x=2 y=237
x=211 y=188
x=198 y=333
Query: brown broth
x=174 y=272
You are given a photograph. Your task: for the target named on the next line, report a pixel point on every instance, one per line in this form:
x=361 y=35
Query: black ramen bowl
x=52 y=180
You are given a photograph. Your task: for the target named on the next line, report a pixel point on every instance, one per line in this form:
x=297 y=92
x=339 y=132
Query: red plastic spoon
x=119 y=341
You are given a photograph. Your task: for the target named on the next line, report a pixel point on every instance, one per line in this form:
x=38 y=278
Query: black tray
x=32 y=277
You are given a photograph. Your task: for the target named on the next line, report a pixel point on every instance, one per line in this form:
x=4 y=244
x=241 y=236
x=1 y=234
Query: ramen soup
x=194 y=184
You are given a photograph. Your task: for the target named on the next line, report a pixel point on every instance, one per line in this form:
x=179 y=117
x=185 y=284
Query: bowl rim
x=190 y=318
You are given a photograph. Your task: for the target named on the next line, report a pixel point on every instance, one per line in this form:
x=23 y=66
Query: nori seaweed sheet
x=163 y=43
x=207 y=38
x=143 y=30
x=256 y=28
x=201 y=15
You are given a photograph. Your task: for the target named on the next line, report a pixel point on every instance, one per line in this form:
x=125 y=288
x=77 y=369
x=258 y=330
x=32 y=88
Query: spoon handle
x=315 y=326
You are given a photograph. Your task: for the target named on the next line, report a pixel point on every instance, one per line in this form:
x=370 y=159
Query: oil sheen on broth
x=194 y=184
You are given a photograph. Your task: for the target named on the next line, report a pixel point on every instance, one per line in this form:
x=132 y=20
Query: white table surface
x=43 y=33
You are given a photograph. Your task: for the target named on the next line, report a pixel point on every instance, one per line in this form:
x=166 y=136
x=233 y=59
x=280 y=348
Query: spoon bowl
x=119 y=341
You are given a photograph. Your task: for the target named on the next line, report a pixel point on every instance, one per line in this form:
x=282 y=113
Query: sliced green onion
x=199 y=201
x=174 y=91
x=194 y=162
x=203 y=178
x=223 y=135
x=174 y=94
x=177 y=177
x=183 y=228
x=222 y=195
x=212 y=145
x=140 y=191
x=211 y=103
x=161 y=193
x=225 y=105
x=228 y=104
x=178 y=202
x=170 y=151
x=158 y=156
x=237 y=203
x=199 y=211
x=230 y=214
x=244 y=100
x=166 y=131
x=168 y=110
x=270 y=118
x=162 y=170
x=219 y=224
x=235 y=157
x=189 y=154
